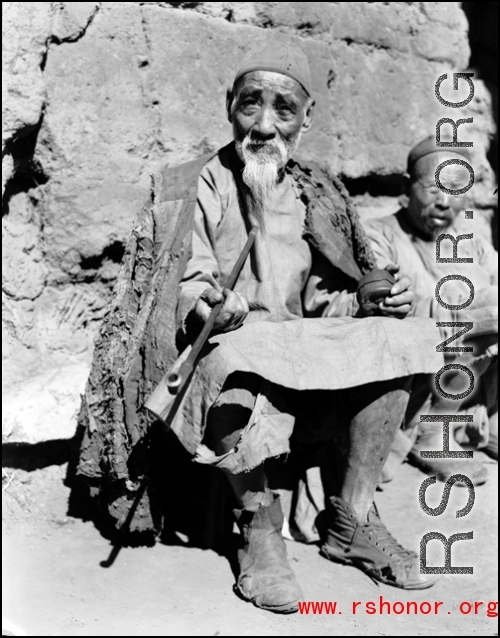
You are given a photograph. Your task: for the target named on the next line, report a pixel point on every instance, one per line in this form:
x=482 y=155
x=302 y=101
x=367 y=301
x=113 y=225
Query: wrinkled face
x=431 y=210
x=269 y=111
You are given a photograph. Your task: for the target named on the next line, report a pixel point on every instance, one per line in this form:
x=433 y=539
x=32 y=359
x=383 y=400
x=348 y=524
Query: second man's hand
x=232 y=314
x=401 y=300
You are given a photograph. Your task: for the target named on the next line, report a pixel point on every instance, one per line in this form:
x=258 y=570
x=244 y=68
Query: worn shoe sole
x=326 y=551
x=288 y=608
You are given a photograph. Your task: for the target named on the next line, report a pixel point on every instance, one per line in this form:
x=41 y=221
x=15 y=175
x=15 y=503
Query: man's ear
x=309 y=116
x=229 y=104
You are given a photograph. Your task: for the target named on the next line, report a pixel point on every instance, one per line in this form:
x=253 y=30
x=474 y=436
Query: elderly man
x=409 y=238
x=294 y=352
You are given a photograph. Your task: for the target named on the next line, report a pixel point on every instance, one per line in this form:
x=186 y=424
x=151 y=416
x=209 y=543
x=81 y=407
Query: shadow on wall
x=483 y=38
x=28 y=172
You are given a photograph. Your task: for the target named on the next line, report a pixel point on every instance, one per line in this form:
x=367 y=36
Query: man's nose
x=443 y=199
x=265 y=126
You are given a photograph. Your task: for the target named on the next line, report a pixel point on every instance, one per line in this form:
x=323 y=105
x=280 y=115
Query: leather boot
x=370 y=547
x=266 y=578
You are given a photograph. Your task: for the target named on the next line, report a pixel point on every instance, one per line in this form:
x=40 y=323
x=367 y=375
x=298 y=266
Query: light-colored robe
x=279 y=280
x=303 y=331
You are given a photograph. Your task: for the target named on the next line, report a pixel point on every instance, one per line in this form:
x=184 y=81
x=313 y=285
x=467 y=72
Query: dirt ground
x=54 y=584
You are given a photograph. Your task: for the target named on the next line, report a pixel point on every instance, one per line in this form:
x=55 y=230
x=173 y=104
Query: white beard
x=262 y=166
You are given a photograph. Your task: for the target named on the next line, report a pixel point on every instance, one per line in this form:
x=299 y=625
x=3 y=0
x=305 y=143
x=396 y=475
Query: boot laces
x=380 y=536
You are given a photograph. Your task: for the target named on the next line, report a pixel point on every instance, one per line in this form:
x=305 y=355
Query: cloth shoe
x=430 y=437
x=370 y=547
x=266 y=579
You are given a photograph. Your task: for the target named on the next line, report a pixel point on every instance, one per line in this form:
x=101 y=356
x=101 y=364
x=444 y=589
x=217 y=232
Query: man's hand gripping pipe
x=180 y=372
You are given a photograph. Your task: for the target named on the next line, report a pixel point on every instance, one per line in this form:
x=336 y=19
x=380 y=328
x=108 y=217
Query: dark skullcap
x=428 y=146
x=280 y=58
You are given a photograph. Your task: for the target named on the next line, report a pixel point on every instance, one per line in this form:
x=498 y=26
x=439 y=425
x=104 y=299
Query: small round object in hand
x=373 y=288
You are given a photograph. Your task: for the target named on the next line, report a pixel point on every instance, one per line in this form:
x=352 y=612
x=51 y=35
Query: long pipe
x=183 y=367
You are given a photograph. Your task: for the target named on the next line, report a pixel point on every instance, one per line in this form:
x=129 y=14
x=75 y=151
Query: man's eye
x=249 y=106
x=431 y=189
